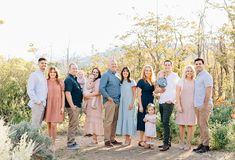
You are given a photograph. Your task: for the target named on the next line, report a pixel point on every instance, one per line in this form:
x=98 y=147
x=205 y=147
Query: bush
x=42 y=142
x=221 y=115
x=222 y=128
x=220 y=136
x=13 y=97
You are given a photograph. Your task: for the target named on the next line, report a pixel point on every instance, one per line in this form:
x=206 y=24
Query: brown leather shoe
x=116 y=142
x=165 y=148
x=161 y=146
x=108 y=144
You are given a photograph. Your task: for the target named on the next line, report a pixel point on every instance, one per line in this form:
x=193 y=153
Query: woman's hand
x=179 y=109
x=62 y=110
x=131 y=106
x=141 y=109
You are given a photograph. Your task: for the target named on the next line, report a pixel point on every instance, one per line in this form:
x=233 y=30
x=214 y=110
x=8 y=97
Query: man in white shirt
x=37 y=91
x=167 y=101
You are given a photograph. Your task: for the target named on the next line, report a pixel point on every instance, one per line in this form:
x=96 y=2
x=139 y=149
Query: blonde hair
x=152 y=77
x=151 y=105
x=185 y=69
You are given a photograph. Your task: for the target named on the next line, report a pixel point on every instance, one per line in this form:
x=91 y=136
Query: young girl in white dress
x=150 y=126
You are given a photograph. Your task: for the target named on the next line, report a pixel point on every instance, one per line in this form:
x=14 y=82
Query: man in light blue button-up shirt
x=37 y=92
x=203 y=103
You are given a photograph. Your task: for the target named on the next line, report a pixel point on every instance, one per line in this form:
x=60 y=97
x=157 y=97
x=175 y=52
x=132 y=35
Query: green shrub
x=220 y=136
x=221 y=115
x=41 y=141
x=13 y=97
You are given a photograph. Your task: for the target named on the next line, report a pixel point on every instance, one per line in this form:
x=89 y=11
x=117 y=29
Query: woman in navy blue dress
x=145 y=88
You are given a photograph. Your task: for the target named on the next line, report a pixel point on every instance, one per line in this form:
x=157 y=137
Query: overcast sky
x=53 y=24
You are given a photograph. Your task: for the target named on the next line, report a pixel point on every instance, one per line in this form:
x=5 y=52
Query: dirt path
x=99 y=152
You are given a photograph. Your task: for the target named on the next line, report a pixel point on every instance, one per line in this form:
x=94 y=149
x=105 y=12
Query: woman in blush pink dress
x=94 y=122
x=185 y=106
x=55 y=102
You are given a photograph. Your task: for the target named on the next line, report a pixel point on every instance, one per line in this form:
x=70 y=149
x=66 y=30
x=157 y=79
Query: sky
x=53 y=25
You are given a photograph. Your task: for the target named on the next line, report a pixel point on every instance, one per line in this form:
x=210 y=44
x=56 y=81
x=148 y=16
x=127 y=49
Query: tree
x=228 y=32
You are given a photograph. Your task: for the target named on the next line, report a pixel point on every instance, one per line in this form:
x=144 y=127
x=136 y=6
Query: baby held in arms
x=80 y=78
x=89 y=88
x=161 y=83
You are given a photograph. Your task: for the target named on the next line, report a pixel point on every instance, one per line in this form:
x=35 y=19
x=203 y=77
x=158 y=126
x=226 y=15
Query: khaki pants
x=202 y=120
x=37 y=114
x=73 y=125
x=110 y=121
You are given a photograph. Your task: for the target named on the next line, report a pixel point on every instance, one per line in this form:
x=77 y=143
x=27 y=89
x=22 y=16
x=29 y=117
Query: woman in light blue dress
x=126 y=116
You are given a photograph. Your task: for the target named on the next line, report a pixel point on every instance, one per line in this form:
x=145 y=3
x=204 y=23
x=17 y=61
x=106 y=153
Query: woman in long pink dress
x=94 y=122
x=55 y=102
x=185 y=106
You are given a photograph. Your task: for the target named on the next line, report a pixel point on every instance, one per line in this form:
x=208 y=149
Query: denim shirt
x=37 y=88
x=110 y=87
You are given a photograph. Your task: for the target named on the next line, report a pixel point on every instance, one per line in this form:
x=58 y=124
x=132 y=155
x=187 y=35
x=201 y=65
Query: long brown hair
x=99 y=73
x=129 y=74
x=57 y=74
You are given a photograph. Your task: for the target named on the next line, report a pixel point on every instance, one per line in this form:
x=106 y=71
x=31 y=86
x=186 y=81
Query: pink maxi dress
x=93 y=121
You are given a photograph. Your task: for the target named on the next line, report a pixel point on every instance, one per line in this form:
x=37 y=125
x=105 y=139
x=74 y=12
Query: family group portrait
x=117 y=80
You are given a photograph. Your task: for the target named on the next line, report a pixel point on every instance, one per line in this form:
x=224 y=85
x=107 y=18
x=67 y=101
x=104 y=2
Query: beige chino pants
x=110 y=121
x=202 y=120
x=73 y=125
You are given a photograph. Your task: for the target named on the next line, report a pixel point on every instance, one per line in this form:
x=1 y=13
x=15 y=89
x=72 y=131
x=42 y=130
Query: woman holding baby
x=93 y=106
